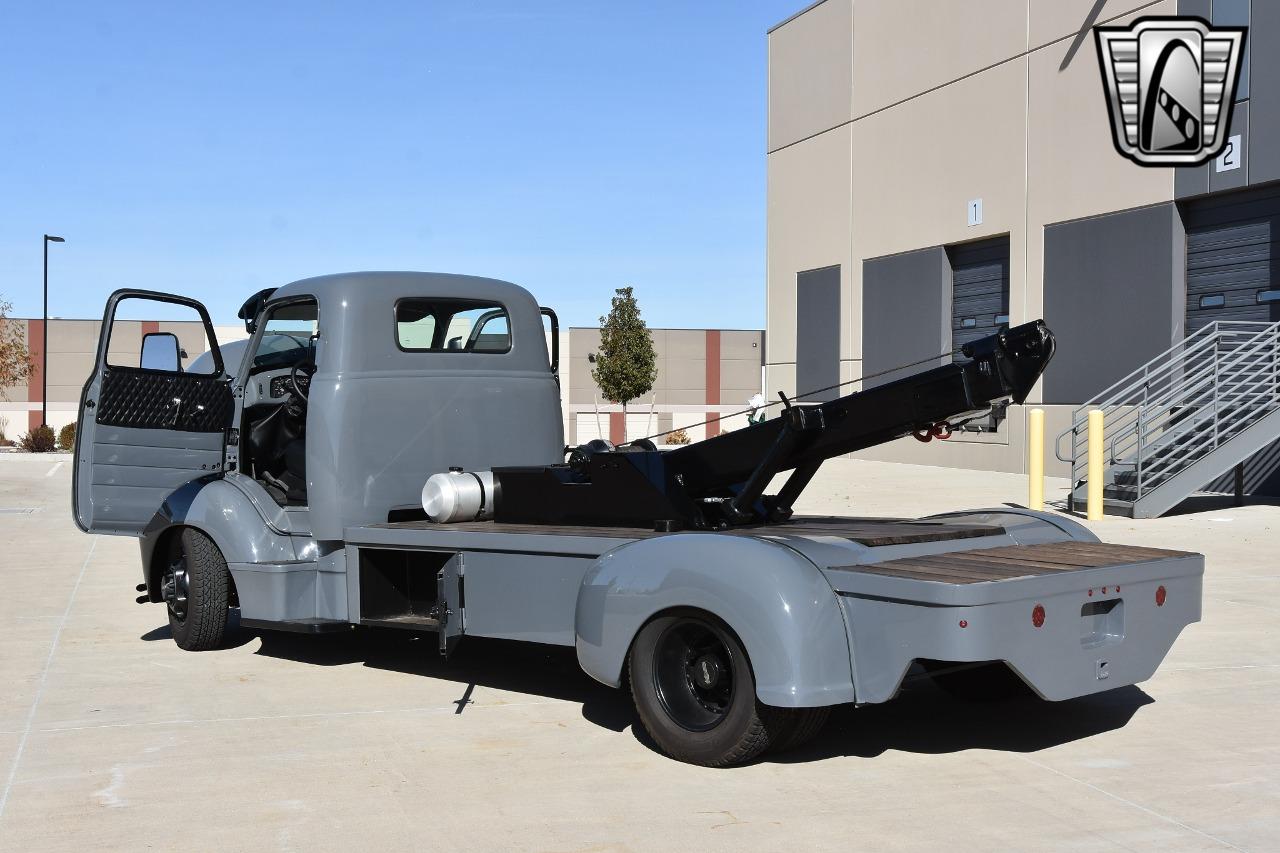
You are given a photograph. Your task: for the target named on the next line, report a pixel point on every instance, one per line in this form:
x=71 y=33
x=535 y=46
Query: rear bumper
x=1090 y=640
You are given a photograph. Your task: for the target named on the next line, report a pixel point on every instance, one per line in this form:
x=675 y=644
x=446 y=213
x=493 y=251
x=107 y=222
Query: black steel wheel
x=695 y=693
x=195 y=586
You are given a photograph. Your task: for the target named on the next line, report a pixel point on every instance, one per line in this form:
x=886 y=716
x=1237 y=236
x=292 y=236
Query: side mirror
x=160 y=351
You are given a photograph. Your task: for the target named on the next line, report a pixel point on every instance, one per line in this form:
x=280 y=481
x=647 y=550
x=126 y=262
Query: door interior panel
x=149 y=399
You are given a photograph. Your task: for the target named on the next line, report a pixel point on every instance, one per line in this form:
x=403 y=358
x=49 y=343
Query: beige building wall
x=688 y=389
x=947 y=104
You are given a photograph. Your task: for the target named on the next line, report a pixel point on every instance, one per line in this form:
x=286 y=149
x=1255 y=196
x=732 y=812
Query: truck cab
x=352 y=390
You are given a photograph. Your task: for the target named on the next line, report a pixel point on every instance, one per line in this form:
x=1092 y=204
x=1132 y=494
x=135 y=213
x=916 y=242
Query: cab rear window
x=452 y=325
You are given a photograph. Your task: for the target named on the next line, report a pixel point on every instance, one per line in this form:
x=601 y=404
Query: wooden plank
x=1008 y=562
x=944 y=574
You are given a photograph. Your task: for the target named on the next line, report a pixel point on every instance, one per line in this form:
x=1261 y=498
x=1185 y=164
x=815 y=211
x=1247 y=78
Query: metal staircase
x=1189 y=415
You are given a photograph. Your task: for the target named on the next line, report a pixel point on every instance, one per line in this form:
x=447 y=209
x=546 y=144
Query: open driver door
x=146 y=426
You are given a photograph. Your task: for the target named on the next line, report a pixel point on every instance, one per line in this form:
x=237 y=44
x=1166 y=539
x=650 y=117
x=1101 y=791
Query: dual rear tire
x=695 y=694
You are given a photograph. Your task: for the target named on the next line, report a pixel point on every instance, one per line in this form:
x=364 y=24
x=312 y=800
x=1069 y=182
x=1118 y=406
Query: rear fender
x=777 y=602
x=226 y=515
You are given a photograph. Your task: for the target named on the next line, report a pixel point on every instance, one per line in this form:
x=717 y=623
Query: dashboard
x=272 y=387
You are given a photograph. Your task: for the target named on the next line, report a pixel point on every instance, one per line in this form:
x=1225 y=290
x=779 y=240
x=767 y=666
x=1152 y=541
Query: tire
x=803 y=725
x=716 y=722
x=195 y=588
x=994 y=682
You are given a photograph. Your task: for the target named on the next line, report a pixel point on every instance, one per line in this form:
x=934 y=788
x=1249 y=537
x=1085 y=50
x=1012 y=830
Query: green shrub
x=67 y=437
x=39 y=440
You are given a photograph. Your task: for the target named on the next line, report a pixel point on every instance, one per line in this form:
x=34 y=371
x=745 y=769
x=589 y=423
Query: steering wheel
x=298 y=387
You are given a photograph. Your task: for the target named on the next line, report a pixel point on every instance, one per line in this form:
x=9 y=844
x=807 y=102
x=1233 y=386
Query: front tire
x=195 y=587
x=695 y=693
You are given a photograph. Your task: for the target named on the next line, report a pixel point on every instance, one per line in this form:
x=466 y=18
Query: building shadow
x=1204 y=502
x=922 y=719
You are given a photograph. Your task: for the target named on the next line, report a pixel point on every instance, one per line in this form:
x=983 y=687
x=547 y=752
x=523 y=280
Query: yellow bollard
x=1094 y=482
x=1035 y=459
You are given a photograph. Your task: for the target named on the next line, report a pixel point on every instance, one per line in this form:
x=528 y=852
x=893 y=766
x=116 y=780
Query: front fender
x=777 y=602
x=226 y=515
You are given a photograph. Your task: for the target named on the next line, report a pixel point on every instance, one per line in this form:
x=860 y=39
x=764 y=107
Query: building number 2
x=1230 y=157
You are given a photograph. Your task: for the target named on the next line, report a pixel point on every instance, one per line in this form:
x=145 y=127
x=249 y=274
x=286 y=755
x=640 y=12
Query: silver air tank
x=459 y=496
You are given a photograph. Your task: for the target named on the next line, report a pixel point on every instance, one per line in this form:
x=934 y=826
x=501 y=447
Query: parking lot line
x=44 y=677
x=1131 y=803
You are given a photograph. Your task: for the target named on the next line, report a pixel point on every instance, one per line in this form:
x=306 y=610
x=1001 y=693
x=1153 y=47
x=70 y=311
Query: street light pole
x=44 y=355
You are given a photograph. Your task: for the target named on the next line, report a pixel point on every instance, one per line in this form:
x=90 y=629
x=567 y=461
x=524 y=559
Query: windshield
x=287 y=336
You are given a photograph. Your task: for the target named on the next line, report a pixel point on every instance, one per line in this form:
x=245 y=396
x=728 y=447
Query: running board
x=299 y=626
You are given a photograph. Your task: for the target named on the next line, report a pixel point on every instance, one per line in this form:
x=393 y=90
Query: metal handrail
x=1142 y=377
x=1183 y=404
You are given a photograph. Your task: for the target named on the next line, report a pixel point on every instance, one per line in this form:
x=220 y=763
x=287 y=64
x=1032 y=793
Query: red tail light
x=1160 y=596
x=1037 y=615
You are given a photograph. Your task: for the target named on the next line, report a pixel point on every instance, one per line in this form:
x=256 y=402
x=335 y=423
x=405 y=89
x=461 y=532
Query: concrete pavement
x=113 y=738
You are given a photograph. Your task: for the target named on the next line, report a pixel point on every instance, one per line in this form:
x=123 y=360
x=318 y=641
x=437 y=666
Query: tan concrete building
x=702 y=374
x=937 y=168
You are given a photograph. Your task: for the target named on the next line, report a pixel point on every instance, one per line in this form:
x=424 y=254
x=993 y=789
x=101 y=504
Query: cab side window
x=452 y=326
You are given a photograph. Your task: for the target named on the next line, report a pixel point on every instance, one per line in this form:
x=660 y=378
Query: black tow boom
x=720 y=482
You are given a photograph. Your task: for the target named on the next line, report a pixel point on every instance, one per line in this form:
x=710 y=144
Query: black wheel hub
x=693 y=674
x=705 y=672
x=174 y=588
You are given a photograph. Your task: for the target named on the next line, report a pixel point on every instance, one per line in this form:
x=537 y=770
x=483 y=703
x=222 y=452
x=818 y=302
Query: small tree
x=626 y=366
x=15 y=362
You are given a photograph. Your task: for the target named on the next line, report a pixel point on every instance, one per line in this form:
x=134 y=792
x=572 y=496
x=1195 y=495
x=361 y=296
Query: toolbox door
x=451 y=604
x=146 y=425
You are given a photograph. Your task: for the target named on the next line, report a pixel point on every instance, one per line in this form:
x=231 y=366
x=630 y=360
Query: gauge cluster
x=282 y=386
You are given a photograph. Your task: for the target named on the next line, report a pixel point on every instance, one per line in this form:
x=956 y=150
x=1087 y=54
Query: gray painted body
x=382 y=420
x=816 y=629
x=1133 y=263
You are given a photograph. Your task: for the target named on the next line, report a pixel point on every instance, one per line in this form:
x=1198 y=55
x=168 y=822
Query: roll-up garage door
x=1231 y=250
x=980 y=290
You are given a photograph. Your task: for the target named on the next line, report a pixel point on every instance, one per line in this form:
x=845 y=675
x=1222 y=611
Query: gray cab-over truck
x=390 y=453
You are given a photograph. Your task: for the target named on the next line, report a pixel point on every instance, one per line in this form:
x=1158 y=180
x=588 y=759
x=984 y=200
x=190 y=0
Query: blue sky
x=216 y=149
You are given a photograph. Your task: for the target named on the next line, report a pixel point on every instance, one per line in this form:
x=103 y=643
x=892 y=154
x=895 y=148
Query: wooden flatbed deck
x=872 y=532
x=1015 y=561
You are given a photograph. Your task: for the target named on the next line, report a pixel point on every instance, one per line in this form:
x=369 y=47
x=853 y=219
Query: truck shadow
x=922 y=719
x=518 y=667
x=925 y=720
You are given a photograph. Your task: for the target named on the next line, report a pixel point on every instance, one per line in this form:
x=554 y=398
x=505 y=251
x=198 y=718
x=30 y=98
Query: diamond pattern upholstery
x=148 y=399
